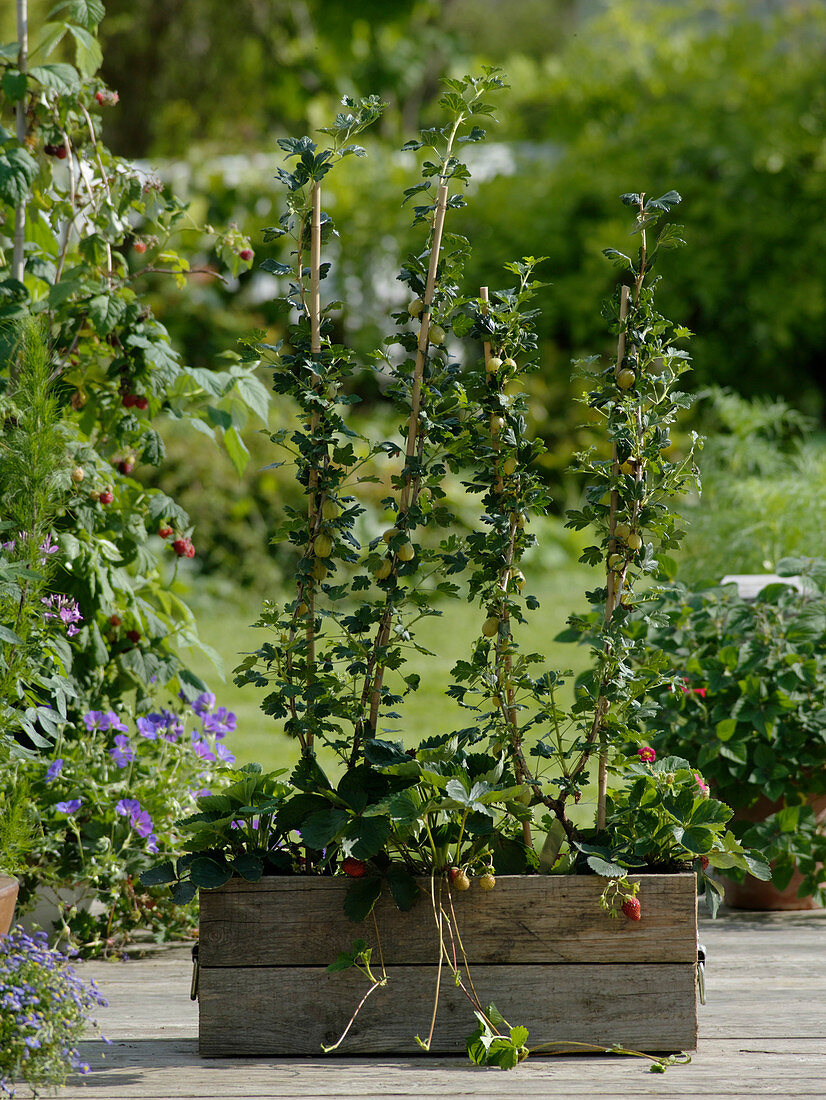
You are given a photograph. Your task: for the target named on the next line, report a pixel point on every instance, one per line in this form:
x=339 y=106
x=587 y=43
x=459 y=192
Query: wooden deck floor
x=762 y=1033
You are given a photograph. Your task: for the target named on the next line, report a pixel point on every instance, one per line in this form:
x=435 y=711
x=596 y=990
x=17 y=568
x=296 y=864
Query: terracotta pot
x=754 y=894
x=8 y=900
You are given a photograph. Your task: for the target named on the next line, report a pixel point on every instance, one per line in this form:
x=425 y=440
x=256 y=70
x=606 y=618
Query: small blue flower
x=70 y=807
x=55 y=768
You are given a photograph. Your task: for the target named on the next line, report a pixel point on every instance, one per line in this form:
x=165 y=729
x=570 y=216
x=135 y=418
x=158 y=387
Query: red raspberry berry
x=61 y=152
x=106 y=497
x=165 y=531
x=704 y=862
x=141 y=402
x=631 y=908
x=126 y=465
x=134 y=636
x=354 y=868
x=190 y=549
x=139 y=247
x=100 y=97
x=246 y=254
x=180 y=546
x=115 y=620
x=128 y=400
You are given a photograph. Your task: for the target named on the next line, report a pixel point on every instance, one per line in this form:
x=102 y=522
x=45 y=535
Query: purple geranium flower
x=70 y=807
x=148 y=728
x=203 y=750
x=127 y=806
x=223 y=753
x=55 y=768
x=122 y=753
x=205 y=702
x=115 y=722
x=96 y=720
x=139 y=820
x=220 y=723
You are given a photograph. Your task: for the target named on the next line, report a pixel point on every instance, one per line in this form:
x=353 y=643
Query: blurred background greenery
x=722 y=100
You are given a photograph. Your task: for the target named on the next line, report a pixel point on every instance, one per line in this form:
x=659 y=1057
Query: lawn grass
x=224 y=622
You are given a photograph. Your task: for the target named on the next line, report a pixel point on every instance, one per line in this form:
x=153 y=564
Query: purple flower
x=55 y=768
x=152 y=843
x=115 y=722
x=123 y=752
x=203 y=750
x=64 y=608
x=70 y=807
x=147 y=728
x=204 y=792
x=205 y=702
x=142 y=823
x=96 y=720
x=220 y=723
x=127 y=806
x=223 y=753
x=47 y=547
x=8 y=546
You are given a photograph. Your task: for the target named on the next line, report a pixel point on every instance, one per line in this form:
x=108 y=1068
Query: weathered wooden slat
x=525 y=919
x=645 y=1007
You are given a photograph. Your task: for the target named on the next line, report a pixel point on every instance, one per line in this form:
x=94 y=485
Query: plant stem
x=18 y=255
x=312 y=482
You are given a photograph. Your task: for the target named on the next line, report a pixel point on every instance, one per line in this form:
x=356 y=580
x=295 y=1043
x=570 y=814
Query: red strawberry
x=355 y=868
x=631 y=908
x=165 y=531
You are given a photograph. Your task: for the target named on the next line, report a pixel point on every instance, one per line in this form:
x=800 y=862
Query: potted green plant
x=751 y=713
x=463 y=851
x=17 y=836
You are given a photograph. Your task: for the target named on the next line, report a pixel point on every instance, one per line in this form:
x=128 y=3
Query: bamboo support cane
x=312 y=478
x=611 y=597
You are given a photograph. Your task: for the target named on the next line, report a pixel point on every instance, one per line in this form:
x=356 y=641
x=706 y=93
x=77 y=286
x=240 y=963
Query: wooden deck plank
x=761 y=1035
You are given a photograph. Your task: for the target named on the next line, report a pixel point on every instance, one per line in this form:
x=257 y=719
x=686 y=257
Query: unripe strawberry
x=354 y=868
x=139 y=247
x=487 y=881
x=106 y=497
x=459 y=878
x=78 y=474
x=246 y=255
x=165 y=531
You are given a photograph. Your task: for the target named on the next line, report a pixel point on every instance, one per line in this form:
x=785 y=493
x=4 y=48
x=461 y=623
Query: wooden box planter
x=540 y=948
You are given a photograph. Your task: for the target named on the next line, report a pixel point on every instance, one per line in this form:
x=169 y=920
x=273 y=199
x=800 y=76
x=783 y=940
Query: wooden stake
x=611 y=597
x=424 y=339
x=312 y=478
